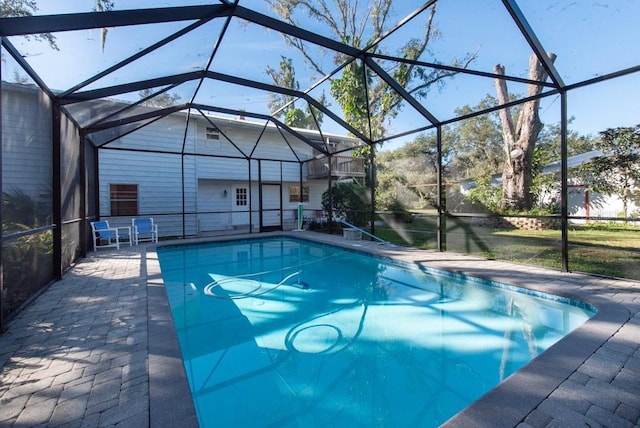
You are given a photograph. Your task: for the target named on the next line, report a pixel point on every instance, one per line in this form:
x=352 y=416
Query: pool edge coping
x=523 y=391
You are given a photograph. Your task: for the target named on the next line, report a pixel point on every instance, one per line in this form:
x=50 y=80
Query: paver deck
x=97 y=349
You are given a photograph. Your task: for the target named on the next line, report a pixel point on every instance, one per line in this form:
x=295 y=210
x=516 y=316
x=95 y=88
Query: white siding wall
x=243 y=140
x=222 y=168
x=159 y=180
x=316 y=189
x=248 y=138
x=290 y=171
x=26 y=141
x=270 y=171
x=215 y=200
x=166 y=134
x=600 y=206
x=159 y=176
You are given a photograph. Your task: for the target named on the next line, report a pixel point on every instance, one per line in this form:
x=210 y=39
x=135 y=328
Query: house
x=195 y=173
x=223 y=173
x=583 y=204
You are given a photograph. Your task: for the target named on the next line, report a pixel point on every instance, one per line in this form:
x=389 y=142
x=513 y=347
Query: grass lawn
x=602 y=250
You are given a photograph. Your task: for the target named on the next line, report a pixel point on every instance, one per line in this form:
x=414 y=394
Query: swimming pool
x=289 y=332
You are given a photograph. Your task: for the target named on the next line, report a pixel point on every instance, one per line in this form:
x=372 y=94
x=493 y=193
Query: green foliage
x=26 y=259
x=399 y=212
x=20 y=211
x=612 y=226
x=485 y=194
x=367 y=101
x=476 y=143
x=350 y=201
x=543 y=154
x=285 y=105
x=350 y=91
x=27 y=263
x=408 y=174
x=386 y=190
x=18 y=7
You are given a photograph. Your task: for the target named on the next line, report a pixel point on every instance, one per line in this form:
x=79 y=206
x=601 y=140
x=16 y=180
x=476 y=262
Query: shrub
x=349 y=201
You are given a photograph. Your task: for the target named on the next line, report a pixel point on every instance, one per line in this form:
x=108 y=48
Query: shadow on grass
x=536 y=248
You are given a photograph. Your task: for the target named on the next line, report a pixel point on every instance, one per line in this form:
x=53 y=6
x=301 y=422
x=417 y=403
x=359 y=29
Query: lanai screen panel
x=27 y=189
x=585 y=35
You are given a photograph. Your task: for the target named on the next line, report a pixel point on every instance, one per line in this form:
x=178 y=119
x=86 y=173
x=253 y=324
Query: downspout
x=300 y=201
x=260 y=207
x=249 y=195
x=96 y=180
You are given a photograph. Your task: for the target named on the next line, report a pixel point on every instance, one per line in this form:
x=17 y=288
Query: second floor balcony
x=341 y=166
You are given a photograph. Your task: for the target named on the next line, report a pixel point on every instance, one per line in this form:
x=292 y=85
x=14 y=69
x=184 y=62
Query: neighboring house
x=214 y=183
x=582 y=202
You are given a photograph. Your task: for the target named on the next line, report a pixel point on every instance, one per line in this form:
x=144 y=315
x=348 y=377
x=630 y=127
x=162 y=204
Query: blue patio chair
x=144 y=229
x=103 y=235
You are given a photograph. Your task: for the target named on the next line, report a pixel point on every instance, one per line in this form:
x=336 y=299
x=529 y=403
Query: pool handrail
x=346 y=223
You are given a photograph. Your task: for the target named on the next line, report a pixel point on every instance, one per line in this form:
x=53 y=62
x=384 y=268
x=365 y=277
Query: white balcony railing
x=341 y=166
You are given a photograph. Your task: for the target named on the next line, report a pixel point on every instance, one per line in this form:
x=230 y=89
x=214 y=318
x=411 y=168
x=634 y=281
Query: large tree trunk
x=520 y=140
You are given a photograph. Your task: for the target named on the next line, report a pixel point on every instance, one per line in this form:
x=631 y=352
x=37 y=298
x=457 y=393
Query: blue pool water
x=286 y=332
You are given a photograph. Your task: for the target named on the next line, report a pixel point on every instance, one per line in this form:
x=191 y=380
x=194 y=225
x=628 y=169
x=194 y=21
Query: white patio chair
x=144 y=229
x=103 y=235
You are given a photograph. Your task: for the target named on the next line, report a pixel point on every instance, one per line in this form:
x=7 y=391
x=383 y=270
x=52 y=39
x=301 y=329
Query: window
x=124 y=199
x=212 y=133
x=241 y=196
x=294 y=193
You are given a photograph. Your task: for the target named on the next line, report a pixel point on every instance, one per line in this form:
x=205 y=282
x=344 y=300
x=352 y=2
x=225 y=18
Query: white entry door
x=271 y=215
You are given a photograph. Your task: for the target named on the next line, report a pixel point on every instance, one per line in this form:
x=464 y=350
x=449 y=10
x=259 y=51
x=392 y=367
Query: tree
x=13 y=8
x=349 y=201
x=407 y=176
x=618 y=170
x=284 y=105
x=476 y=142
x=163 y=100
x=366 y=100
x=520 y=139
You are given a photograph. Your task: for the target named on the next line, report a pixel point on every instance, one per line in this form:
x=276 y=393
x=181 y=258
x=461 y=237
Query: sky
x=590 y=38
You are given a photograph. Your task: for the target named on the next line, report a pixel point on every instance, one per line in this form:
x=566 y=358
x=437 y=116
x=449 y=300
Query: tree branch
x=508 y=130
